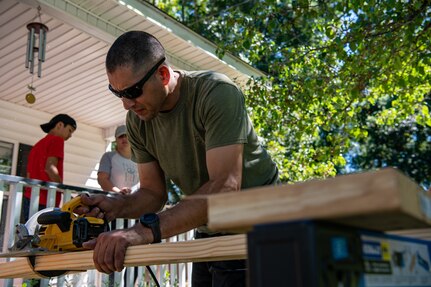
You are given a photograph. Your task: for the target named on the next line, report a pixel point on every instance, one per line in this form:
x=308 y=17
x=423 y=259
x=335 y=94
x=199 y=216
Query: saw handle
x=72 y=204
x=61 y=218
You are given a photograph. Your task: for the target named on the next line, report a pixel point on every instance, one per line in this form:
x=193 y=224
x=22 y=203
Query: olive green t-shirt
x=210 y=113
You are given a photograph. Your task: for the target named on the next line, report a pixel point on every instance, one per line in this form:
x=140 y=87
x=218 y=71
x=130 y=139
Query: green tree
x=404 y=145
x=326 y=61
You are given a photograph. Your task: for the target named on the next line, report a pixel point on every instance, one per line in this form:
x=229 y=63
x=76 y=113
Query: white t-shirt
x=122 y=171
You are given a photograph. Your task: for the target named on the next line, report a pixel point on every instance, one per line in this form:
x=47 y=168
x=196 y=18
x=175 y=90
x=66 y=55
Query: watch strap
x=151 y=220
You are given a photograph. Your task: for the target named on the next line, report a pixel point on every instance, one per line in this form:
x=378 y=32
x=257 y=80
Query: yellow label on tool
x=386 y=254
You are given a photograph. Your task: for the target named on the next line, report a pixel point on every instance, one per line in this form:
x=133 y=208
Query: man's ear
x=165 y=75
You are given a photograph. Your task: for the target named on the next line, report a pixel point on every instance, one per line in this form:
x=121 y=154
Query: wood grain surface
x=380 y=200
x=209 y=249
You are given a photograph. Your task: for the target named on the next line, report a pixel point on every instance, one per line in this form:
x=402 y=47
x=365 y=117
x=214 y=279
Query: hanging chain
x=39 y=14
x=30 y=87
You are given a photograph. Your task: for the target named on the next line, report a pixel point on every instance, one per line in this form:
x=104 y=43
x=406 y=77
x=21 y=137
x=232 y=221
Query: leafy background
x=348 y=82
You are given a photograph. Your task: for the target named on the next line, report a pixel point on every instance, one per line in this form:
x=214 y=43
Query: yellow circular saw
x=56 y=229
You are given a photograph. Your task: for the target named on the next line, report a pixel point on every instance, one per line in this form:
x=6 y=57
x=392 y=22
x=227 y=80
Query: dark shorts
x=230 y=273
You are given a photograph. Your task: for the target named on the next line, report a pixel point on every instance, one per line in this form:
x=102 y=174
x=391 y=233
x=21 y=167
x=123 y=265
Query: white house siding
x=20 y=124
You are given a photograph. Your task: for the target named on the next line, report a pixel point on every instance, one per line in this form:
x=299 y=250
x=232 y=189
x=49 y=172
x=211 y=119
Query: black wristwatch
x=151 y=220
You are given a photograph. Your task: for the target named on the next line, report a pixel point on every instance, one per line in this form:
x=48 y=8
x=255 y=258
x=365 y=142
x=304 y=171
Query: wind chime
x=36 y=43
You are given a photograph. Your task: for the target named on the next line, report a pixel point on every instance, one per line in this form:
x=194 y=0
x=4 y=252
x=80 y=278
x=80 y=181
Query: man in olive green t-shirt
x=191 y=127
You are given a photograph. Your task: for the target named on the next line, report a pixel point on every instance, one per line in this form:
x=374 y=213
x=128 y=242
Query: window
x=6 y=157
x=23 y=152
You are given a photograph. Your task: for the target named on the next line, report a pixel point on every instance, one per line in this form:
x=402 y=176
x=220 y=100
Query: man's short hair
x=134 y=49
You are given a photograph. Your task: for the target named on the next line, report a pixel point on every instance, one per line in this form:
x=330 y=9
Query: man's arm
x=52 y=170
x=224 y=166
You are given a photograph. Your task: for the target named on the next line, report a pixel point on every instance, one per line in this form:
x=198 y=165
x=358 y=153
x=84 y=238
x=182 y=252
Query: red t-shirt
x=49 y=146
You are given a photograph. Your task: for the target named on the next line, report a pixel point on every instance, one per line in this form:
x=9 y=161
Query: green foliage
x=31 y=282
x=174 y=192
x=327 y=63
x=167 y=280
x=404 y=145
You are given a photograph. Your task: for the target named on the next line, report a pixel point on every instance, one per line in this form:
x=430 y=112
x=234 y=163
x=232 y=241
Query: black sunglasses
x=135 y=90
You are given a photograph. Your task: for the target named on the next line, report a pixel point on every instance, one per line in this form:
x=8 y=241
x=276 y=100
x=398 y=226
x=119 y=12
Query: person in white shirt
x=117 y=172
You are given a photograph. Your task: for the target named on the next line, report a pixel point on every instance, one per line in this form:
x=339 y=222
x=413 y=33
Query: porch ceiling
x=80 y=32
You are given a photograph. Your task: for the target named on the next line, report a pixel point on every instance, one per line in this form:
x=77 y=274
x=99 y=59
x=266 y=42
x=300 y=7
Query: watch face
x=149 y=218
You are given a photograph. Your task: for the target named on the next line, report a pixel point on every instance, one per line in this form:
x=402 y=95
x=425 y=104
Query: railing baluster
x=67 y=195
x=50 y=201
x=12 y=218
x=34 y=200
x=2 y=198
x=130 y=273
x=13 y=213
x=6 y=282
x=118 y=276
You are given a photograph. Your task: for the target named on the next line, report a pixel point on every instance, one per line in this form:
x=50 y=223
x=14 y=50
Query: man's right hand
x=99 y=206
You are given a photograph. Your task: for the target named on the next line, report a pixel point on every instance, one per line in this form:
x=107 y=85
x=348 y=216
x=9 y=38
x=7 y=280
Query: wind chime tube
x=39 y=69
x=42 y=44
x=27 y=55
x=40 y=52
x=31 y=55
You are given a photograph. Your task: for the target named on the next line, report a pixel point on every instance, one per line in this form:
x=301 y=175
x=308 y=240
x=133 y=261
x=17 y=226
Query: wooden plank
x=209 y=249
x=379 y=200
x=20 y=268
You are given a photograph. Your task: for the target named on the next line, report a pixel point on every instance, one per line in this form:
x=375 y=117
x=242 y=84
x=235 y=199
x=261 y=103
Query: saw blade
x=22 y=239
x=26 y=239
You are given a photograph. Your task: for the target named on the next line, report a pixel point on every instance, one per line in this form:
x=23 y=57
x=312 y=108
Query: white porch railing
x=11 y=194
